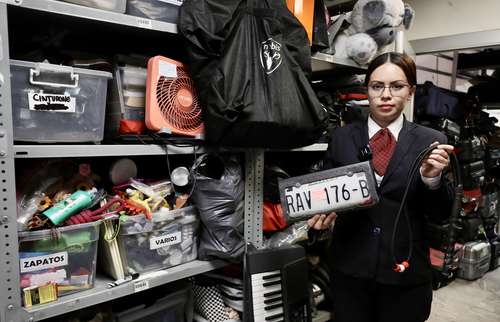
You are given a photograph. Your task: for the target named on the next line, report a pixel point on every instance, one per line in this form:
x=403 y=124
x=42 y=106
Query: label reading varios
x=165 y=240
x=51 y=102
x=38 y=263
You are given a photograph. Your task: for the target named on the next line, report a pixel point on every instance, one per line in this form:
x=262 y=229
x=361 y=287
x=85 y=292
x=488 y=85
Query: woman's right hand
x=320 y=222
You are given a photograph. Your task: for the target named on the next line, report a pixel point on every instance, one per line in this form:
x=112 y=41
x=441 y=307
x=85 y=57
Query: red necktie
x=382 y=144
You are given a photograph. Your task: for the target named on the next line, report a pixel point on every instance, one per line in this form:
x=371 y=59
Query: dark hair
x=403 y=61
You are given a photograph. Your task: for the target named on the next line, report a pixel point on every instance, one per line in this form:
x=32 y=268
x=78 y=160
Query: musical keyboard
x=277 y=286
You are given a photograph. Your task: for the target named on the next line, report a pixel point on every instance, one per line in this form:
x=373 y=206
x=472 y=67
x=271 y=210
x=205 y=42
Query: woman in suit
x=366 y=284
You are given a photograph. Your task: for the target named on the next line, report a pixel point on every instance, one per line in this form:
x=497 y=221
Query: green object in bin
x=73 y=242
x=64 y=209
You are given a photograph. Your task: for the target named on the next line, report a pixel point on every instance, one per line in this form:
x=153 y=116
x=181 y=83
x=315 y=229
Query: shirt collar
x=395 y=127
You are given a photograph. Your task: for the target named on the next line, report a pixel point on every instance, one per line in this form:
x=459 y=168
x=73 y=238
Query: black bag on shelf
x=470 y=150
x=434 y=101
x=473 y=174
x=251 y=62
x=472 y=227
x=320 y=27
x=218 y=193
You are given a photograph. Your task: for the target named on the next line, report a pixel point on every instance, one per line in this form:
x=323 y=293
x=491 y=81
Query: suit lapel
x=360 y=135
x=405 y=141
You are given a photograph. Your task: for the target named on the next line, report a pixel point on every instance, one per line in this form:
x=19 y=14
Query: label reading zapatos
x=51 y=102
x=38 y=263
x=165 y=240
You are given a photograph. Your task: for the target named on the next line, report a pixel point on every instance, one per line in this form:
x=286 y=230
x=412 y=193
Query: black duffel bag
x=251 y=62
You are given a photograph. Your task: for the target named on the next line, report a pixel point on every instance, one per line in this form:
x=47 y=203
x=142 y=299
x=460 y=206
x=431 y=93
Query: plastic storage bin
x=476 y=260
x=128 y=98
x=163 y=10
x=111 y=5
x=66 y=256
x=174 y=307
x=54 y=103
x=169 y=239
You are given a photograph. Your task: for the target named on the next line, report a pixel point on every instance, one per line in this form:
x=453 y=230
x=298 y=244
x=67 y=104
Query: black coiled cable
x=450 y=245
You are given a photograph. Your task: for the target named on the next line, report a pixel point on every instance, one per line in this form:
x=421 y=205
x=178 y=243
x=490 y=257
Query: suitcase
x=476 y=260
x=492 y=157
x=436 y=256
x=473 y=174
x=470 y=150
x=472 y=227
x=489 y=226
x=495 y=253
x=471 y=200
x=489 y=205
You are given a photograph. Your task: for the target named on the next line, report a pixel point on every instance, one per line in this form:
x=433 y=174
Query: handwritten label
x=144 y=23
x=51 y=102
x=165 y=240
x=38 y=263
x=141 y=286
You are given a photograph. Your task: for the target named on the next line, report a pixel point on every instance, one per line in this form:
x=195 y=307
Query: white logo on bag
x=270 y=55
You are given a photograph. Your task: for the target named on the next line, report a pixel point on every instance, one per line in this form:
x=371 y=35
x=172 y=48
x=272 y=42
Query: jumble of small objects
x=54 y=201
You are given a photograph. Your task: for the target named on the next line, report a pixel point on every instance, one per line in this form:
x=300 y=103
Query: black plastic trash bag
x=251 y=62
x=219 y=195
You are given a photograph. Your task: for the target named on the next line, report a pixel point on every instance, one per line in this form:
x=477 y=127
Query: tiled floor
x=463 y=301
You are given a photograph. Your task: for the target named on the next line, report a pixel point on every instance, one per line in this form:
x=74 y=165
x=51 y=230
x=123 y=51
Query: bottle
x=73 y=204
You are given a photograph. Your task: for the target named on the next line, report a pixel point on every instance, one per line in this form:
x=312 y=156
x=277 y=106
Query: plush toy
x=373 y=26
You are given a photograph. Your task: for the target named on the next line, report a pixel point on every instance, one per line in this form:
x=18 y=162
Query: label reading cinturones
x=51 y=102
x=38 y=263
x=165 y=240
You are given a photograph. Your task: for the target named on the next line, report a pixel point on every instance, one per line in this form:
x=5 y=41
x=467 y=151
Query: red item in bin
x=132 y=127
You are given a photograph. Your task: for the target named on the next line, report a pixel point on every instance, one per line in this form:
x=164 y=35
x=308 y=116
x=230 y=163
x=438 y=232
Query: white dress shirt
x=395 y=128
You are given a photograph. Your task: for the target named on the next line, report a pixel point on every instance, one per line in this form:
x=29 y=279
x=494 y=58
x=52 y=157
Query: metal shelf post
x=254 y=186
x=9 y=268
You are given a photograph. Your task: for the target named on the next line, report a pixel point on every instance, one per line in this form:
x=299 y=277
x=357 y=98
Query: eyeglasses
x=395 y=89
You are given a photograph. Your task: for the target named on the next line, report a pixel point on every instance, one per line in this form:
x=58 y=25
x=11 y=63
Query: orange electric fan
x=171 y=103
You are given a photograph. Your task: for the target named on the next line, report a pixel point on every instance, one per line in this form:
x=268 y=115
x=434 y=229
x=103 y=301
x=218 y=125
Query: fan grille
x=178 y=102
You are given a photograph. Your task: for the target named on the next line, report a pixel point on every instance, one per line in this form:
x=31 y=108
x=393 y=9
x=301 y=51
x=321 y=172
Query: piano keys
x=277 y=286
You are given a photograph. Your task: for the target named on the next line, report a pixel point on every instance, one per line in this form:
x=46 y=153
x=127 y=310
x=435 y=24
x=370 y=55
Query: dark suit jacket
x=361 y=245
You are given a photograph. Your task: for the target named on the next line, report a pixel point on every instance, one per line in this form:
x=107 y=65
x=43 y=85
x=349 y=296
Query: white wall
x=436 y=18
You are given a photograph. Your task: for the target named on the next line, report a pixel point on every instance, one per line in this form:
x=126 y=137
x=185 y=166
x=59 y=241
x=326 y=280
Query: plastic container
x=174 y=307
x=54 y=103
x=168 y=240
x=66 y=256
x=163 y=10
x=476 y=260
x=110 y=5
x=128 y=98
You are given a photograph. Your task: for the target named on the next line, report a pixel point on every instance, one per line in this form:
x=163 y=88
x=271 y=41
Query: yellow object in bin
x=40 y=294
x=109 y=250
x=304 y=11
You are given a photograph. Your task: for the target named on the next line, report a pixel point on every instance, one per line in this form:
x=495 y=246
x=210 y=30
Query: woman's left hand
x=436 y=161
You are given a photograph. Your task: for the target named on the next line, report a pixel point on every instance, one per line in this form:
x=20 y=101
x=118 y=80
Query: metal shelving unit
x=106 y=150
x=102 y=292
x=324 y=62
x=92 y=150
x=10 y=303
x=69 y=9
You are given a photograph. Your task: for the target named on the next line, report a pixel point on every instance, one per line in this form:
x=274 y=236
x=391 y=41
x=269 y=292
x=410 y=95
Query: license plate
x=338 y=189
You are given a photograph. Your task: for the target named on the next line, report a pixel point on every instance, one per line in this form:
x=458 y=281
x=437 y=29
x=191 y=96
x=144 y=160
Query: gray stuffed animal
x=373 y=26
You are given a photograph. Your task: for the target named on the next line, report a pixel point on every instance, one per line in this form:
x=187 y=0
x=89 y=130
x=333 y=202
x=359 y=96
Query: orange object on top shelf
x=304 y=11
